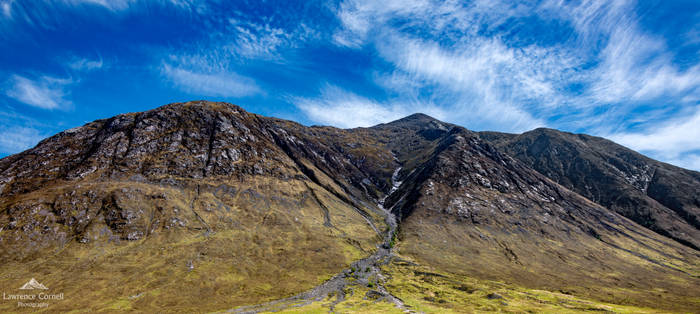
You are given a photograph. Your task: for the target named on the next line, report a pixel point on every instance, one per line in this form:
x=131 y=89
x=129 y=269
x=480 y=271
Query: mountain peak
x=416 y=118
x=417 y=121
x=204 y=104
x=419 y=116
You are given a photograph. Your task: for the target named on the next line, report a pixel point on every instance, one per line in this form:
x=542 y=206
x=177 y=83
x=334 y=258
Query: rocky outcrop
x=659 y=196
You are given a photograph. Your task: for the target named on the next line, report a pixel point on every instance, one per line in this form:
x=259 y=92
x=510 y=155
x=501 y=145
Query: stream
x=363 y=272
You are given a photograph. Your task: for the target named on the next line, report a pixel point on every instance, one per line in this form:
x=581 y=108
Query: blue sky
x=626 y=70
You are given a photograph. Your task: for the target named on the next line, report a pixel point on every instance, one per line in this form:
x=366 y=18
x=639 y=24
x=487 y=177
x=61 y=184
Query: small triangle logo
x=33 y=284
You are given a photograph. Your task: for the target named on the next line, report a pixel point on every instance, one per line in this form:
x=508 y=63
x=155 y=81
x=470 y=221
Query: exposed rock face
x=199 y=184
x=186 y=147
x=470 y=208
x=207 y=189
x=659 y=196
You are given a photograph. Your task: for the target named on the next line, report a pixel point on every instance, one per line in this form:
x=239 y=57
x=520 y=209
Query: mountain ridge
x=189 y=188
x=630 y=182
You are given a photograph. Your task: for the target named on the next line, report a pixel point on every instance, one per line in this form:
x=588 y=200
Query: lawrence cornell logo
x=33 y=294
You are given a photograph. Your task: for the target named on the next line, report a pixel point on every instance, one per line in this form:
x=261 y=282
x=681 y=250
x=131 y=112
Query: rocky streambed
x=365 y=272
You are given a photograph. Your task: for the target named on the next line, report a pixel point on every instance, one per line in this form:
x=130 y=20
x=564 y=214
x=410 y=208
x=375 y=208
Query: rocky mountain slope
x=659 y=196
x=471 y=209
x=202 y=206
x=195 y=197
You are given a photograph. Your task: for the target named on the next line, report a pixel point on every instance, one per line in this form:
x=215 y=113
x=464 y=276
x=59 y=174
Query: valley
x=203 y=207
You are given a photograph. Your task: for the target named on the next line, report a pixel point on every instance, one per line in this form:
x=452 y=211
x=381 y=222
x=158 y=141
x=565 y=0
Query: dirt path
x=360 y=273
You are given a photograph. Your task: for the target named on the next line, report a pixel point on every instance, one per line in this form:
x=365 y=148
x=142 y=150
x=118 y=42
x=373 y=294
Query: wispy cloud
x=484 y=77
x=122 y=5
x=669 y=140
x=113 y=5
x=262 y=41
x=50 y=14
x=434 y=49
x=221 y=83
x=361 y=18
x=236 y=45
x=84 y=64
x=45 y=92
x=6 y=7
x=632 y=65
x=338 y=107
x=17 y=138
x=688 y=161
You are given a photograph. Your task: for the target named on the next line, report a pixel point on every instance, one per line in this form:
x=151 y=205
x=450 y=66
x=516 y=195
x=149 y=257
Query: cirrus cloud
x=224 y=83
x=45 y=92
x=344 y=109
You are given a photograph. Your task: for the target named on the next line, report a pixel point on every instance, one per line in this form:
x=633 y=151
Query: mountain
x=195 y=197
x=656 y=195
x=201 y=206
x=471 y=209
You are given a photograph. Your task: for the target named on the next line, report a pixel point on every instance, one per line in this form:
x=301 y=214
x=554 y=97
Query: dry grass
x=260 y=248
x=653 y=276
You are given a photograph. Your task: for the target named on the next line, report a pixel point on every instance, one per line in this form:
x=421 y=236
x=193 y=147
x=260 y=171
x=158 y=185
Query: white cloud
x=449 y=20
x=484 y=78
x=46 y=92
x=204 y=67
x=673 y=141
x=205 y=83
x=83 y=64
x=6 y=7
x=634 y=65
x=471 y=75
x=123 y=5
x=16 y=139
x=344 y=109
x=359 y=17
x=673 y=137
x=112 y=5
x=260 y=41
x=688 y=161
x=481 y=82
x=593 y=78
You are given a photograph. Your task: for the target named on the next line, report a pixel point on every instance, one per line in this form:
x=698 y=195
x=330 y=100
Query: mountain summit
x=252 y=213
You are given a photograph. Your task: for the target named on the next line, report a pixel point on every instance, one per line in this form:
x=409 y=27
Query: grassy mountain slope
x=202 y=206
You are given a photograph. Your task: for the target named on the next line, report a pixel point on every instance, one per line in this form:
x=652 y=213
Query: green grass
x=441 y=292
x=428 y=290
